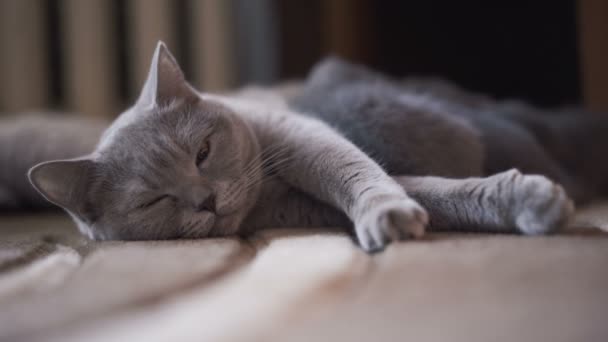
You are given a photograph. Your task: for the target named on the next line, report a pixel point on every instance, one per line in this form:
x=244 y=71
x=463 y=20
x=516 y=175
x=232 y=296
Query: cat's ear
x=165 y=81
x=65 y=183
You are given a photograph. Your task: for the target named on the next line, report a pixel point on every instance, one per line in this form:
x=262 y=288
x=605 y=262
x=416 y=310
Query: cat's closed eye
x=202 y=154
x=152 y=202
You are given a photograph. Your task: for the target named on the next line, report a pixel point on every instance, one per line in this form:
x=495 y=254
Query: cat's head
x=176 y=164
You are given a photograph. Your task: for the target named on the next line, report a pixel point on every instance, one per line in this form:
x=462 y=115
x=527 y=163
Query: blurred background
x=91 y=56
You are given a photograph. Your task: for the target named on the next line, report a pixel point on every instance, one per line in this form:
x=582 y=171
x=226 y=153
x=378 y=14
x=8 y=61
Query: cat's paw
x=388 y=221
x=541 y=206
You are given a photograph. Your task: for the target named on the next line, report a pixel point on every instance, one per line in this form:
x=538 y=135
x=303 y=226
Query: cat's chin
x=226 y=225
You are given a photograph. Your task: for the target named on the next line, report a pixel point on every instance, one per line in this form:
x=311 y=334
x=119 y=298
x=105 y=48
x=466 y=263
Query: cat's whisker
x=252 y=162
x=254 y=165
x=258 y=163
x=273 y=168
x=191 y=230
x=260 y=180
x=258 y=173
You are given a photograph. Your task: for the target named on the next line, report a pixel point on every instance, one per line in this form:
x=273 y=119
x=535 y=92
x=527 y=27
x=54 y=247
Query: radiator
x=91 y=56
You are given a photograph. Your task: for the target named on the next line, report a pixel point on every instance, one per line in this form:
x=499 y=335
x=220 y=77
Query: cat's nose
x=203 y=200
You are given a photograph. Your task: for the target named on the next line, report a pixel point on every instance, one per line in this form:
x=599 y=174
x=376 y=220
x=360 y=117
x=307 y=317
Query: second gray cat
x=347 y=148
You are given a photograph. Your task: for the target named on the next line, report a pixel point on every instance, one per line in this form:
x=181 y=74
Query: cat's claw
x=540 y=205
x=390 y=221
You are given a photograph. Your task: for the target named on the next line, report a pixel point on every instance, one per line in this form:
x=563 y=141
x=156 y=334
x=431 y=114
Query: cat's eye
x=153 y=201
x=202 y=154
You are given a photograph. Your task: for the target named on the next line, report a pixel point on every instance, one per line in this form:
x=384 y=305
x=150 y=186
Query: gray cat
x=181 y=164
x=469 y=133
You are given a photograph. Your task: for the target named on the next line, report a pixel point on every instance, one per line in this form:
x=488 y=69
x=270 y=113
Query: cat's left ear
x=65 y=183
x=165 y=81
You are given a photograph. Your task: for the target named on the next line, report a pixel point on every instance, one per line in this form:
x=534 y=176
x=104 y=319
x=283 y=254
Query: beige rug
x=295 y=285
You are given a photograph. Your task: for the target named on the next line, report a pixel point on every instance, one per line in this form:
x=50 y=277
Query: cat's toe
x=390 y=221
x=542 y=206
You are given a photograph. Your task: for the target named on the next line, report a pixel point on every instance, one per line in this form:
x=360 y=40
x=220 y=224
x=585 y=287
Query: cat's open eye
x=203 y=153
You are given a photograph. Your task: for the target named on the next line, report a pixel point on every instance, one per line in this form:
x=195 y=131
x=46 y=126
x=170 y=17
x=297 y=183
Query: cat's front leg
x=320 y=162
x=505 y=202
x=383 y=220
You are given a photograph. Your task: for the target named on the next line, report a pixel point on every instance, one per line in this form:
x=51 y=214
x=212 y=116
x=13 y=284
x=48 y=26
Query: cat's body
x=402 y=124
x=184 y=164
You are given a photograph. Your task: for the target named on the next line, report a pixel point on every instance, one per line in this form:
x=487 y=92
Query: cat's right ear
x=65 y=183
x=165 y=81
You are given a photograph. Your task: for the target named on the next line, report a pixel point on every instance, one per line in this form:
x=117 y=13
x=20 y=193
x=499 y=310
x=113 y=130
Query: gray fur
x=274 y=163
x=532 y=204
x=405 y=133
x=463 y=128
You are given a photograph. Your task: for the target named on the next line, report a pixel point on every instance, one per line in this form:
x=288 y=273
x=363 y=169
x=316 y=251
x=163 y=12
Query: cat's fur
x=470 y=134
x=273 y=162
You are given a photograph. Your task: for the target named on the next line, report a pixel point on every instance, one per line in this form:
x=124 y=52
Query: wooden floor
x=284 y=285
